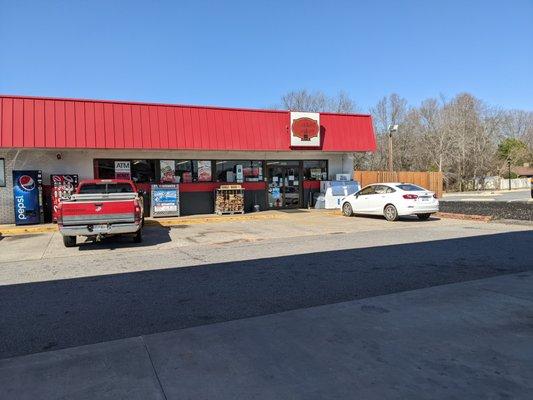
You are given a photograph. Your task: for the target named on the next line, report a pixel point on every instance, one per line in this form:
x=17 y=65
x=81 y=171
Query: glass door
x=283 y=184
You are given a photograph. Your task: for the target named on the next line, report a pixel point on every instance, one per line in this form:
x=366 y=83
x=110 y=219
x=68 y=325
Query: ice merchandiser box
x=332 y=192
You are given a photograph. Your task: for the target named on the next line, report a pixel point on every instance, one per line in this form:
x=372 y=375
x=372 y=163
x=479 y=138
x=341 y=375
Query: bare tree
x=342 y=103
x=390 y=110
x=518 y=124
x=302 y=100
x=436 y=140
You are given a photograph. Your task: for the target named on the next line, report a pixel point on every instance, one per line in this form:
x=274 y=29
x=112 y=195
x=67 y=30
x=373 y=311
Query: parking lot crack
x=153 y=369
x=191 y=256
x=46 y=247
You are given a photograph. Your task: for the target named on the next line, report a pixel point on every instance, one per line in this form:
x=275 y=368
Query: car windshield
x=409 y=187
x=106 y=188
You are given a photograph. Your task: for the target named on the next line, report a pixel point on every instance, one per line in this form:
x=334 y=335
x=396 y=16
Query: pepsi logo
x=26 y=183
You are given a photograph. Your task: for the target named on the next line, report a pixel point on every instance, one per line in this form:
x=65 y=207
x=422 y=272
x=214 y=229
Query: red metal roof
x=34 y=122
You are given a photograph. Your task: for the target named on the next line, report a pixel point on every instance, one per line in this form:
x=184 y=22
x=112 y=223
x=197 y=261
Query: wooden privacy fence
x=428 y=180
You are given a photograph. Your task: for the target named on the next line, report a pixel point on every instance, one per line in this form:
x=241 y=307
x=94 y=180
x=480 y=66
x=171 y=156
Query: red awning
x=31 y=122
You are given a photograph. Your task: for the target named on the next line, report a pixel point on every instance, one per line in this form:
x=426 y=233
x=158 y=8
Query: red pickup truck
x=102 y=207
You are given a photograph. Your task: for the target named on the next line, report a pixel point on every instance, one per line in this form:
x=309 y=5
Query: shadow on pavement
x=153 y=235
x=42 y=316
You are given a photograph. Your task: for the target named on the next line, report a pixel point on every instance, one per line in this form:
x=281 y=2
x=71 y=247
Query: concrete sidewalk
x=12 y=229
x=470 y=340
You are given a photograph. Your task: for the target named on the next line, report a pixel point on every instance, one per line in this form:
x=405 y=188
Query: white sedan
x=392 y=200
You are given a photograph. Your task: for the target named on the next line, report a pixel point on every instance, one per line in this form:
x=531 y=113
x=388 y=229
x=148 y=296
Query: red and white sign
x=305 y=129
x=168 y=171
x=62 y=188
x=122 y=170
x=204 y=171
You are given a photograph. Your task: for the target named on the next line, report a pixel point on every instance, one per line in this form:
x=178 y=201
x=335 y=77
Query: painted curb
x=33 y=230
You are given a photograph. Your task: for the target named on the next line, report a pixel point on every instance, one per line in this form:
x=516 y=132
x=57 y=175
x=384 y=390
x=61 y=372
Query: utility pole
x=392 y=128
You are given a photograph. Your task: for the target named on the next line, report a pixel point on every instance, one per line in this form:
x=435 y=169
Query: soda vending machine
x=63 y=186
x=27 y=194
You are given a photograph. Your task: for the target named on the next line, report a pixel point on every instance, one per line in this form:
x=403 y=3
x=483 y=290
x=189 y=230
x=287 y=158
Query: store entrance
x=283 y=184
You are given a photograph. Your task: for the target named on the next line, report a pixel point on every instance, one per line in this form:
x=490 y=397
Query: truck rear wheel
x=138 y=238
x=69 y=241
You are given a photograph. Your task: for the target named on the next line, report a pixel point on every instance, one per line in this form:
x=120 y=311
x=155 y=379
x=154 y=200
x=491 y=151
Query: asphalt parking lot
x=41 y=257
x=190 y=275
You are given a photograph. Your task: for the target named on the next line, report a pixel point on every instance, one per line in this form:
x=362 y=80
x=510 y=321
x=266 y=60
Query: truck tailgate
x=98 y=212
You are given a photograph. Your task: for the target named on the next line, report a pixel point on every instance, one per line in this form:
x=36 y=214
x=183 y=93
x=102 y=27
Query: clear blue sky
x=249 y=53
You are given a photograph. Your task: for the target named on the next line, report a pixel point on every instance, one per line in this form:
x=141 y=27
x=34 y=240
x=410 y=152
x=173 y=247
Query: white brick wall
x=81 y=162
x=7 y=215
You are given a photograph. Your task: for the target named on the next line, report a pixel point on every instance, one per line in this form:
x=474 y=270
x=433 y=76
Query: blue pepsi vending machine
x=27 y=197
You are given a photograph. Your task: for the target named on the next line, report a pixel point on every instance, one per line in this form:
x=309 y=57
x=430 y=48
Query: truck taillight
x=410 y=196
x=137 y=212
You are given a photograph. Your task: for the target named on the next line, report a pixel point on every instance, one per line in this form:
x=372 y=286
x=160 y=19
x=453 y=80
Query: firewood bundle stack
x=229 y=199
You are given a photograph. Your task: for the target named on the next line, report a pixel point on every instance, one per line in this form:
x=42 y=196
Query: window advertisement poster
x=165 y=200
x=122 y=170
x=316 y=173
x=204 y=171
x=167 y=168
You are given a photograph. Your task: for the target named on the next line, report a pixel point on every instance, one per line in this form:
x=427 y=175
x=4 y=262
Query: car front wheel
x=390 y=213
x=347 y=209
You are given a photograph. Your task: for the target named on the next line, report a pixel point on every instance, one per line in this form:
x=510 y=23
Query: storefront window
x=143 y=171
x=185 y=171
x=316 y=170
x=2 y=172
x=106 y=169
x=140 y=171
x=227 y=171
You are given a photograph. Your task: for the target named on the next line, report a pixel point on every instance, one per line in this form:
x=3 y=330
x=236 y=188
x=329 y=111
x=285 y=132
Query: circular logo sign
x=26 y=183
x=305 y=128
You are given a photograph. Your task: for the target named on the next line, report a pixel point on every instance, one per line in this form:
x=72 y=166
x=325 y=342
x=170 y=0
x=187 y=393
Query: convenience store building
x=279 y=157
